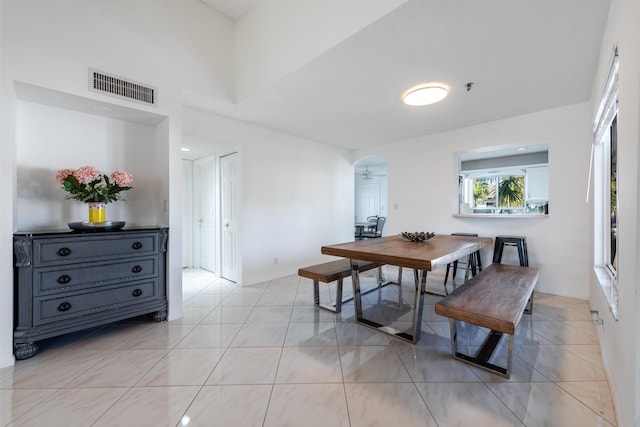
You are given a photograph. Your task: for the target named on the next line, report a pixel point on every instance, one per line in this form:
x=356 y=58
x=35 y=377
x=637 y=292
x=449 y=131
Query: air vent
x=126 y=89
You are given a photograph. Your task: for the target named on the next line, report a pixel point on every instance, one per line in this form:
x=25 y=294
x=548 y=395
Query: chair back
x=380 y=226
x=374 y=229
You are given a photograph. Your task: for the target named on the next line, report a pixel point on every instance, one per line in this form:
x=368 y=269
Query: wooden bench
x=330 y=272
x=496 y=299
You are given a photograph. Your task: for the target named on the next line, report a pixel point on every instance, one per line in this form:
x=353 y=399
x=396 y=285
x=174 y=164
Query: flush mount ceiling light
x=425 y=94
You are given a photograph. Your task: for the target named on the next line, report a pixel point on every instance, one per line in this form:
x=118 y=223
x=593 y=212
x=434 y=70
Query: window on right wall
x=605 y=157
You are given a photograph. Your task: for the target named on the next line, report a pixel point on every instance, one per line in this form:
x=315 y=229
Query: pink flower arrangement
x=87 y=184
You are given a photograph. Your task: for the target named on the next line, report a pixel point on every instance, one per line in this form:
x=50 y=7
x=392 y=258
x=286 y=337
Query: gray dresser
x=69 y=281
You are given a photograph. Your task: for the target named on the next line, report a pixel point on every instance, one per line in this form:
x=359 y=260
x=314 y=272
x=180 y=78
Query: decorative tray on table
x=418 y=236
x=96 y=226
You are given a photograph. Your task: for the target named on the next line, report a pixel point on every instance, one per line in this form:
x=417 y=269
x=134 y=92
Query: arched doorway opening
x=370 y=180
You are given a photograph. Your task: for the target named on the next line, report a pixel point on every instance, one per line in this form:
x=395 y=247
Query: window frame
x=605 y=126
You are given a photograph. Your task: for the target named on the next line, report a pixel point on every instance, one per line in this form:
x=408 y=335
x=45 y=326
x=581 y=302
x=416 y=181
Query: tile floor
x=264 y=356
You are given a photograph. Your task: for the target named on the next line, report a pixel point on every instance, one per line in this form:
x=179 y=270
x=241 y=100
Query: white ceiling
x=233 y=8
x=522 y=57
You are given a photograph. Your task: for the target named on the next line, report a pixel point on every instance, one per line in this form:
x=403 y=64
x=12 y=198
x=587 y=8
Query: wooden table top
x=440 y=250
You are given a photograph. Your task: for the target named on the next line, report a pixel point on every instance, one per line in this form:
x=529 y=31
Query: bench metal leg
x=334 y=308
x=337 y=306
x=528 y=309
x=484 y=354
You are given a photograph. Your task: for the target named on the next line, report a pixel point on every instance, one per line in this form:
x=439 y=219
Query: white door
x=205 y=170
x=187 y=214
x=229 y=194
x=367 y=200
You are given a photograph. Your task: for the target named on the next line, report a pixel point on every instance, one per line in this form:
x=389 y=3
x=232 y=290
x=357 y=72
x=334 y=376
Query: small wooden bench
x=496 y=299
x=330 y=272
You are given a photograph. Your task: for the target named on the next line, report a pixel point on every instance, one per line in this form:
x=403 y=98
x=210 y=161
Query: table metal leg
x=416 y=327
x=337 y=306
x=355 y=280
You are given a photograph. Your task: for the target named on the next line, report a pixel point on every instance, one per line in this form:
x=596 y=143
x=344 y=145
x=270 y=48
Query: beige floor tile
x=306 y=404
x=595 y=395
x=277 y=298
x=210 y=336
x=558 y=363
x=565 y=332
x=372 y=364
x=152 y=406
x=538 y=404
x=270 y=314
x=14 y=403
x=183 y=366
x=52 y=369
x=377 y=404
x=229 y=405
x=309 y=365
x=163 y=335
x=350 y=334
x=192 y=315
x=426 y=364
x=203 y=300
x=121 y=368
x=252 y=365
x=243 y=299
x=311 y=314
x=71 y=407
x=311 y=334
x=261 y=335
x=455 y=404
x=228 y=315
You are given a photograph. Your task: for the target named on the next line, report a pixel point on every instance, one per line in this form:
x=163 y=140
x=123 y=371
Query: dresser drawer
x=83 y=304
x=50 y=280
x=68 y=250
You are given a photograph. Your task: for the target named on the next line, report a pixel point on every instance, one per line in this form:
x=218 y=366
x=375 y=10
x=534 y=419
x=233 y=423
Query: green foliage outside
x=480 y=189
x=511 y=191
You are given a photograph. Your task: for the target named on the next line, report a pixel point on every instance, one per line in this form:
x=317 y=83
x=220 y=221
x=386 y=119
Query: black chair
x=369 y=226
x=372 y=222
x=374 y=231
x=520 y=244
x=358 y=232
x=476 y=263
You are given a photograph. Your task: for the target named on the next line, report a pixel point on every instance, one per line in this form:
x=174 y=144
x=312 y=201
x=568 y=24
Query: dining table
x=422 y=257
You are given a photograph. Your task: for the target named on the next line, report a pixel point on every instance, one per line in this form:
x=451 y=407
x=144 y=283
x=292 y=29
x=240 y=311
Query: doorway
x=205 y=209
x=203 y=233
x=229 y=216
x=370 y=195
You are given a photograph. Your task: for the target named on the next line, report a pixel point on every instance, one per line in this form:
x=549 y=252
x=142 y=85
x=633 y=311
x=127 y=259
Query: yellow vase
x=97 y=212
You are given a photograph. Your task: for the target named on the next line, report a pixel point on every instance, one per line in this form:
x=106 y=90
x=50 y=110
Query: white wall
x=305 y=29
x=297 y=195
x=173 y=45
x=7 y=177
x=423 y=184
x=50 y=138
x=620 y=340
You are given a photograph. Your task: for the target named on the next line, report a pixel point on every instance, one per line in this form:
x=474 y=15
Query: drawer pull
x=64 y=251
x=64 y=279
x=136 y=269
x=136 y=245
x=136 y=292
x=64 y=306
